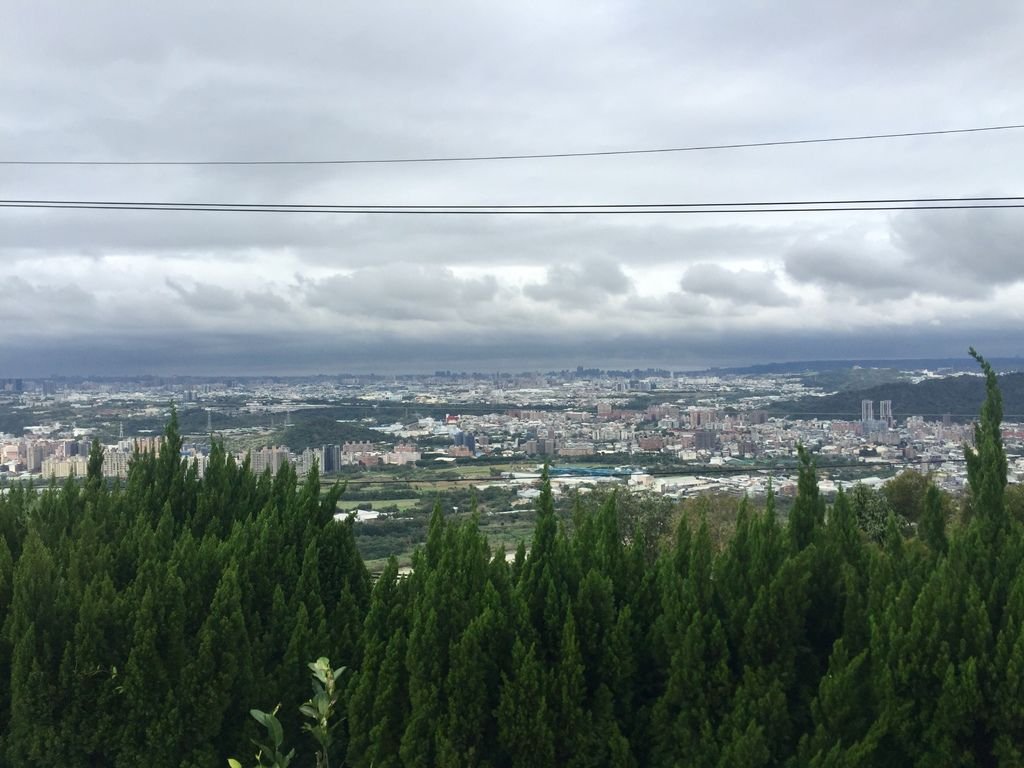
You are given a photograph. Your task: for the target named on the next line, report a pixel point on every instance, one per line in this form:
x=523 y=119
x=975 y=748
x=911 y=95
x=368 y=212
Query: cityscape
x=674 y=434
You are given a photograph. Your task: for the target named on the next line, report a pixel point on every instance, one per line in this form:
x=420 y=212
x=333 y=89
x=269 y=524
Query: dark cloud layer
x=246 y=354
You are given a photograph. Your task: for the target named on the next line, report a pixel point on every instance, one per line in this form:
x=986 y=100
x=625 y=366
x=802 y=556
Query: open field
x=380 y=539
x=345 y=505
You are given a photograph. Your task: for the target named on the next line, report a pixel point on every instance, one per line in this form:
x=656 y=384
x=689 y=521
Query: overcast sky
x=142 y=292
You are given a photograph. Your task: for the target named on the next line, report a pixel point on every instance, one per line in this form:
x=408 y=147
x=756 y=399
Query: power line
x=497 y=210
x=502 y=206
x=533 y=156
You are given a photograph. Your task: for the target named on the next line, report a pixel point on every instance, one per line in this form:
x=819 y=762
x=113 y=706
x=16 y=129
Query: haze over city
x=129 y=292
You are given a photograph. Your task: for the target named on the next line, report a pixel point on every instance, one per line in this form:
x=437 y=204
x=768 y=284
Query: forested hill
x=902 y=364
x=959 y=396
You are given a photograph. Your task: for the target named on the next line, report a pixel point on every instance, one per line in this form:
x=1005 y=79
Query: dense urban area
x=727 y=431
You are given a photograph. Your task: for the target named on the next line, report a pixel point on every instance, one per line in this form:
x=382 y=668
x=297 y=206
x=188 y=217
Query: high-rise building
x=885 y=412
x=867 y=410
x=269 y=457
x=331 y=456
x=705 y=440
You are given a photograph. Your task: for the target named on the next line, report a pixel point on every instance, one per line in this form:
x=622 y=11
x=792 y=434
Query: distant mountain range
x=946 y=364
x=959 y=396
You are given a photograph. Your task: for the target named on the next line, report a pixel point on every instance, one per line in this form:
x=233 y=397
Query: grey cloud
x=41 y=304
x=674 y=304
x=187 y=235
x=358 y=241
x=954 y=254
x=742 y=286
x=267 y=300
x=581 y=286
x=402 y=291
x=850 y=272
x=972 y=248
x=204 y=297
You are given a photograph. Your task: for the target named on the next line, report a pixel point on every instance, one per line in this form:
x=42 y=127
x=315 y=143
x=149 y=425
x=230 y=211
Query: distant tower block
x=885 y=412
x=867 y=410
x=120 y=430
x=209 y=420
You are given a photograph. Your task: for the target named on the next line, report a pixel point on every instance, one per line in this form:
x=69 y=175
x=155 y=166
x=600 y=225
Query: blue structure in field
x=592 y=471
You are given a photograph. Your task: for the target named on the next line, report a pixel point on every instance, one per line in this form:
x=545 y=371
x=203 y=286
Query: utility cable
x=632 y=209
x=532 y=156
x=513 y=206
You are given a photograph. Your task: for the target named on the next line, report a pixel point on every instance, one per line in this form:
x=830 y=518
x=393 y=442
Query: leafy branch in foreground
x=319 y=710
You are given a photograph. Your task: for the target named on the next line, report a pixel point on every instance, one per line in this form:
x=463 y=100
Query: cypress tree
x=6 y=587
x=699 y=679
x=542 y=584
x=525 y=736
x=91 y=678
x=986 y=462
x=570 y=720
x=841 y=711
x=378 y=690
x=808 y=509
x=94 y=468
x=1008 y=673
x=217 y=676
x=467 y=734
x=933 y=522
x=424 y=662
x=390 y=710
x=35 y=629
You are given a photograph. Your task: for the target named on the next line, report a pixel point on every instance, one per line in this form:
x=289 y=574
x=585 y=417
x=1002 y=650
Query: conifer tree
x=6 y=586
x=699 y=679
x=381 y=673
x=933 y=522
x=35 y=629
x=467 y=734
x=570 y=719
x=541 y=585
x=1008 y=674
x=94 y=469
x=90 y=674
x=986 y=462
x=808 y=509
x=525 y=736
x=217 y=675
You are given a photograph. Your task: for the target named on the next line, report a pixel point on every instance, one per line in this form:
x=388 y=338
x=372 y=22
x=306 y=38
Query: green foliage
x=318 y=710
x=270 y=751
x=986 y=462
x=137 y=616
x=872 y=512
x=314 y=428
x=957 y=395
x=905 y=494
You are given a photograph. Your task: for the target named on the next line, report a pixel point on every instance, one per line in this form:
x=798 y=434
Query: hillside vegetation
x=956 y=395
